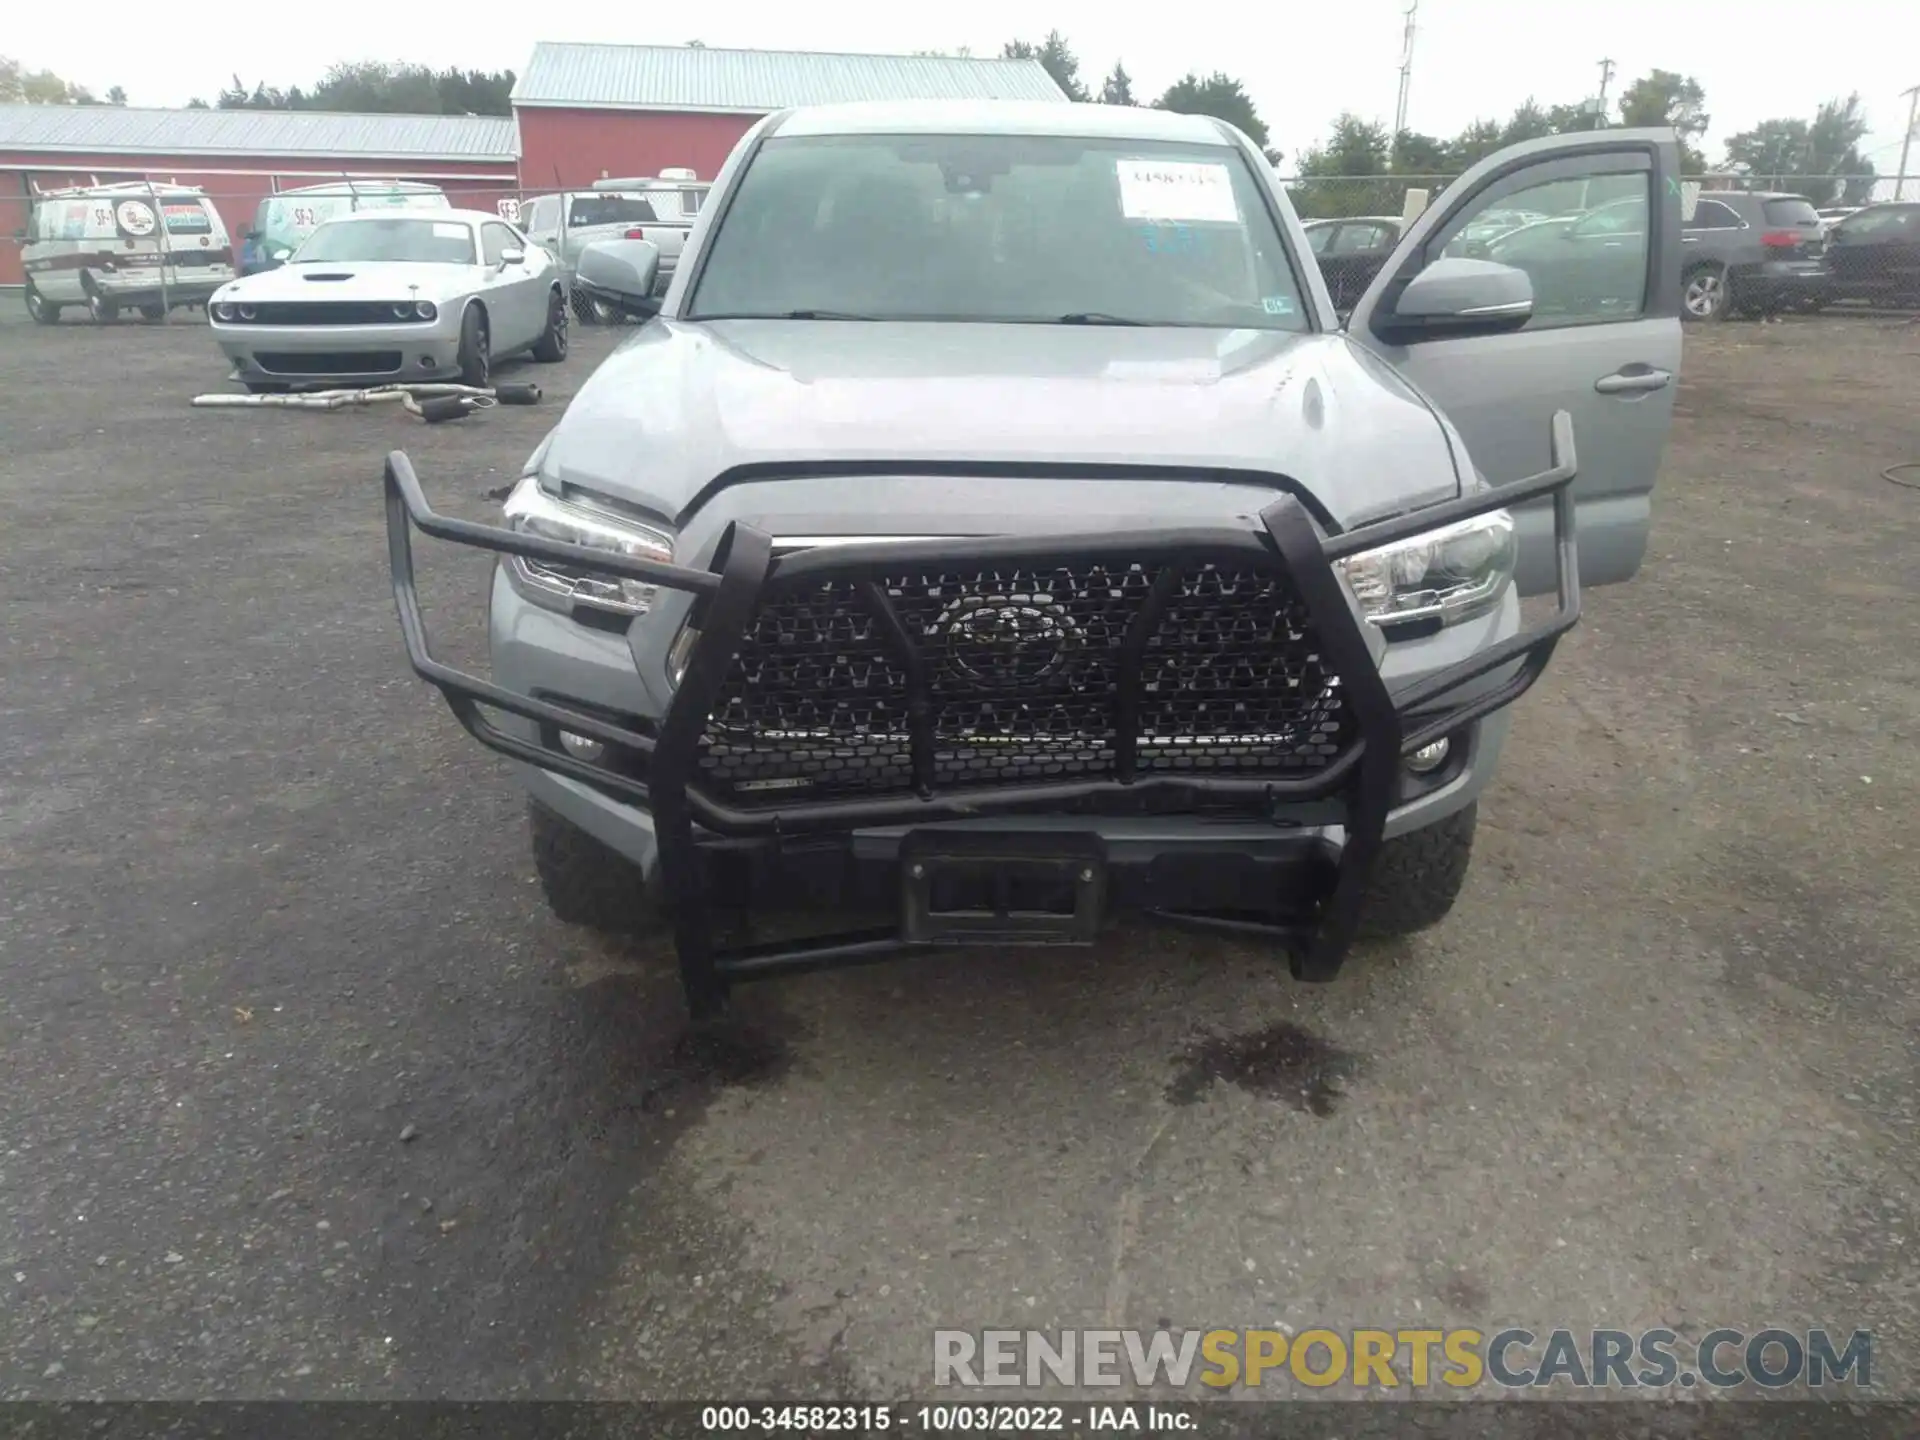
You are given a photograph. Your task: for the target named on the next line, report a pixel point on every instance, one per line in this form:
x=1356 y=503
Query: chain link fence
x=253 y=221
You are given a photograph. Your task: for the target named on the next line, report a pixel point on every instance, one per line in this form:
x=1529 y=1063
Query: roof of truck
x=1000 y=117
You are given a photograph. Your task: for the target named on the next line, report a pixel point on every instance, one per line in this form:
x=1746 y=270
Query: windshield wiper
x=1094 y=317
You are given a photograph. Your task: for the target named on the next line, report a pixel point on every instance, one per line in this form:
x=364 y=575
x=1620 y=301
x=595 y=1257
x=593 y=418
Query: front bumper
x=341 y=354
x=660 y=771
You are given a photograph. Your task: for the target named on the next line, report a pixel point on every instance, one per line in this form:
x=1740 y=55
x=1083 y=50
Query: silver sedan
x=376 y=298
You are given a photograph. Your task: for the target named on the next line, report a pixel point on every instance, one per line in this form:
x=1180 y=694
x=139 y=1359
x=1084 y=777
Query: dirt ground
x=306 y=1095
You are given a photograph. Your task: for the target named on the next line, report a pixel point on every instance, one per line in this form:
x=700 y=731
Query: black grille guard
x=1390 y=723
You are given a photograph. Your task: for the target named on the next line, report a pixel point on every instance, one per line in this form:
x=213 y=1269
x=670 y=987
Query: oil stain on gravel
x=1282 y=1062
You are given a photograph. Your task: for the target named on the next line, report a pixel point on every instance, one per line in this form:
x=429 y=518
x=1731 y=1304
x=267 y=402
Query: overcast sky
x=1302 y=62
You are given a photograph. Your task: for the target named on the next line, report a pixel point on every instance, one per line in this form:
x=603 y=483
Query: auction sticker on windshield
x=1176 y=190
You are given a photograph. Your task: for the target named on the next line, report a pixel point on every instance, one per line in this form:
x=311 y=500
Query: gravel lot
x=306 y=1095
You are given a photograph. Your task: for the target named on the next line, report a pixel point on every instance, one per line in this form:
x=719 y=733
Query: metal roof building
x=581 y=113
x=587 y=112
x=239 y=157
x=118 y=130
x=700 y=80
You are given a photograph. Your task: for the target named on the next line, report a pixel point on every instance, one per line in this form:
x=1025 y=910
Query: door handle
x=1632 y=381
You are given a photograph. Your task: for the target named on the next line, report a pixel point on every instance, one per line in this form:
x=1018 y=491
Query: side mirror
x=623 y=272
x=512 y=257
x=1457 y=296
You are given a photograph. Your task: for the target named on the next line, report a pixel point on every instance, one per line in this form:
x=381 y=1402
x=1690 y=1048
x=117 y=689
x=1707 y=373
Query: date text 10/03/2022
x=944 y=1419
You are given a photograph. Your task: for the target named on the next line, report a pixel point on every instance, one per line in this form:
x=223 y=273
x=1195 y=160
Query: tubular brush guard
x=665 y=774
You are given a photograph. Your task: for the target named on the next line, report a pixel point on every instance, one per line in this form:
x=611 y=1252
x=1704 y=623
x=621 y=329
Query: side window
x=1357 y=238
x=1318 y=236
x=1712 y=215
x=1588 y=260
x=540 y=218
x=495 y=240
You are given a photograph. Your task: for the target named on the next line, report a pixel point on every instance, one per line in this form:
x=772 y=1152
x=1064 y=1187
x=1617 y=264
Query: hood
x=680 y=404
x=350 y=280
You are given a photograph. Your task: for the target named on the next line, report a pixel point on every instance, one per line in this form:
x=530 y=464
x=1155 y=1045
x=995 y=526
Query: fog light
x=426 y=362
x=1429 y=757
x=580 y=747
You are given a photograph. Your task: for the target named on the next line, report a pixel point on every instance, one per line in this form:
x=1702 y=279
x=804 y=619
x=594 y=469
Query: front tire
x=585 y=882
x=153 y=313
x=43 y=310
x=1705 y=293
x=476 y=354
x=1417 y=876
x=552 y=346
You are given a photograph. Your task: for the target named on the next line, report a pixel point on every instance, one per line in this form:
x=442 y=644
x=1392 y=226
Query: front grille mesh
x=325 y=312
x=1018 y=675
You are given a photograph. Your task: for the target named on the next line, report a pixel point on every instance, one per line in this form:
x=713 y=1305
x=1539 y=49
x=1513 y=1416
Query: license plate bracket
x=970 y=887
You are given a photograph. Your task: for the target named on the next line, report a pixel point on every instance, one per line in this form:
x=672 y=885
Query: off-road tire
x=476 y=354
x=552 y=346
x=43 y=310
x=585 y=882
x=1417 y=876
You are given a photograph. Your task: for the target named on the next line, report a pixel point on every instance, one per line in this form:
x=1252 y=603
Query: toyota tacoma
x=993 y=529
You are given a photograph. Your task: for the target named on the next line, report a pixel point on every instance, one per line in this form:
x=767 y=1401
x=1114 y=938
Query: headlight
x=425 y=309
x=247 y=312
x=1450 y=574
x=403 y=310
x=222 y=311
x=531 y=509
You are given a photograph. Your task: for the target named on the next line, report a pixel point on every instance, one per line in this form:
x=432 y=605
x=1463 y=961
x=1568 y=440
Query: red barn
x=591 y=112
x=241 y=156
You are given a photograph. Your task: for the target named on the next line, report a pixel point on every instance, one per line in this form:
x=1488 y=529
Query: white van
x=284 y=220
x=134 y=246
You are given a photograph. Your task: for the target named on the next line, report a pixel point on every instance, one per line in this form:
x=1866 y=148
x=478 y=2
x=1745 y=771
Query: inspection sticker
x=1175 y=190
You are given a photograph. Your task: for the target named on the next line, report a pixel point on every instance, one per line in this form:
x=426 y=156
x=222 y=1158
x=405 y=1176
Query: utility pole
x=1600 y=105
x=1406 y=72
x=1906 y=145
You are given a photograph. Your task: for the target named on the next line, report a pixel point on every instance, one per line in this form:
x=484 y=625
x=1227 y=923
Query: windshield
x=425 y=242
x=1019 y=228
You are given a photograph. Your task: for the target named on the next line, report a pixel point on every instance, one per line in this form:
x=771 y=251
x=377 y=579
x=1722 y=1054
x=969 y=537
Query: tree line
x=1818 y=157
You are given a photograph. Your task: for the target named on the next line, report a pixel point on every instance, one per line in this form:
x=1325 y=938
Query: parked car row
x=1751 y=253
x=156 y=247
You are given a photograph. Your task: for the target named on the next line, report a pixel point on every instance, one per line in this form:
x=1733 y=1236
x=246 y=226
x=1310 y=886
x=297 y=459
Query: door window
x=1318 y=236
x=1587 y=265
x=1712 y=215
x=1359 y=238
x=496 y=240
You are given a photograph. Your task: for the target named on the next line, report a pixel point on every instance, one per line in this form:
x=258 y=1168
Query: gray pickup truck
x=993 y=530
x=658 y=209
